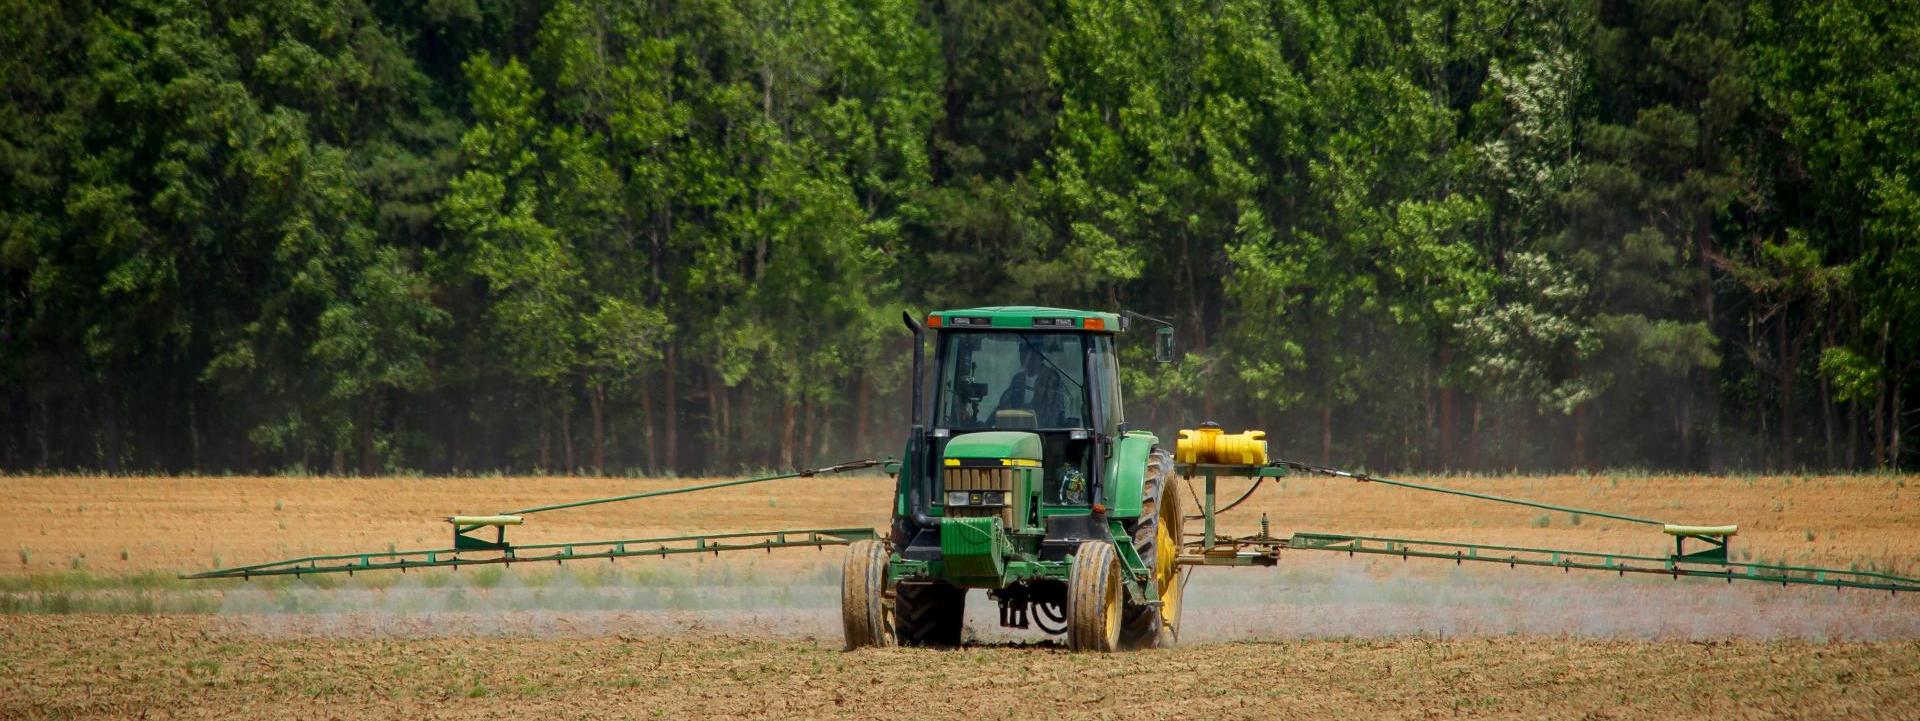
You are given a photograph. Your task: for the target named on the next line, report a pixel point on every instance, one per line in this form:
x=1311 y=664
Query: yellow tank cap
x=1673 y=530
x=1207 y=444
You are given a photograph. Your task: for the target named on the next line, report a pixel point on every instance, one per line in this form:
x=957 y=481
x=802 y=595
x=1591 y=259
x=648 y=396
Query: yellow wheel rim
x=1114 y=603
x=1166 y=566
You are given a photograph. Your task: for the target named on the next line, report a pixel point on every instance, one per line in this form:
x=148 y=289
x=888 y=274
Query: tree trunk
x=672 y=392
x=1710 y=422
x=1853 y=435
x=1880 y=425
x=40 y=432
x=1893 y=442
x=457 y=439
x=823 y=418
x=716 y=417
x=1448 y=413
x=1473 y=439
x=1880 y=404
x=1760 y=408
x=546 y=443
x=810 y=415
x=1709 y=394
x=788 y=410
x=1326 y=434
x=1580 y=436
x=597 y=401
x=1787 y=367
x=1430 y=420
x=646 y=430
x=1826 y=415
x=193 y=431
x=726 y=425
x=1684 y=401
x=566 y=436
x=110 y=422
x=863 y=398
x=369 y=414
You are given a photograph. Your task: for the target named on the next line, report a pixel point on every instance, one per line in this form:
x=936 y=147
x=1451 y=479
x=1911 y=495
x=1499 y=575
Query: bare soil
x=209 y=667
x=757 y=636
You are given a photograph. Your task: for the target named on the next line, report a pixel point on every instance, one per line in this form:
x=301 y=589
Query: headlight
x=993 y=498
x=956 y=498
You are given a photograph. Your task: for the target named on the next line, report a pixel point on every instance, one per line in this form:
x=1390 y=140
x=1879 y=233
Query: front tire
x=865 y=610
x=1094 y=598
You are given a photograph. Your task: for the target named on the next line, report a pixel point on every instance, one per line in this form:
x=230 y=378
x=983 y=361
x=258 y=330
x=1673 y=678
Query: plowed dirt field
x=92 y=624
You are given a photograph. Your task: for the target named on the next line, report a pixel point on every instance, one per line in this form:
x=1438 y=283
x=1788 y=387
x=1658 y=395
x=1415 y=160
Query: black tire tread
x=1140 y=624
x=929 y=614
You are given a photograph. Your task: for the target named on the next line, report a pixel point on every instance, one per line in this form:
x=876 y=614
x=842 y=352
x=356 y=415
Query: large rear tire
x=1094 y=598
x=1156 y=536
x=865 y=610
x=928 y=614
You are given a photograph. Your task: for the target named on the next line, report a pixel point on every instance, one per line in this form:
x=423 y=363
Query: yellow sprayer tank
x=1207 y=444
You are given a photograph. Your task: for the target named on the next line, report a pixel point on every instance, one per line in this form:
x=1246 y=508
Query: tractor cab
x=1027 y=373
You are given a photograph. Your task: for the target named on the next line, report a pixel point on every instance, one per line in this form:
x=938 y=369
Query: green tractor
x=1025 y=481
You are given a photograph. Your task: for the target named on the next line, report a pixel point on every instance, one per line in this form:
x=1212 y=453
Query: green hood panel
x=995 y=444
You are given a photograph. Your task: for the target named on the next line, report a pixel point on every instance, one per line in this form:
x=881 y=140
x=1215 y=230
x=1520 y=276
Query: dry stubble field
x=93 y=626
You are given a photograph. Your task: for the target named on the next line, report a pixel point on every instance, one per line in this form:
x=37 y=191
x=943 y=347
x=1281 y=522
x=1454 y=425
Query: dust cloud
x=1306 y=597
x=715 y=598
x=1334 y=597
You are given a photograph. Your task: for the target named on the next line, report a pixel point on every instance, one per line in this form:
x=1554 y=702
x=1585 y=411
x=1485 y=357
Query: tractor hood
x=995 y=445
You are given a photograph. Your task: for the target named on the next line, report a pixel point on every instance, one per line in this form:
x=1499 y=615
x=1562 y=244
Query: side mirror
x=1163 y=344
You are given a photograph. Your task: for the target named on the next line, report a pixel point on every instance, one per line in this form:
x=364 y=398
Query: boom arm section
x=471 y=550
x=1622 y=564
x=1707 y=559
x=541 y=552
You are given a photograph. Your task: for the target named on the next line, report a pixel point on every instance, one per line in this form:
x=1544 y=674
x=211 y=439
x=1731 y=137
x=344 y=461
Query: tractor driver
x=1035 y=387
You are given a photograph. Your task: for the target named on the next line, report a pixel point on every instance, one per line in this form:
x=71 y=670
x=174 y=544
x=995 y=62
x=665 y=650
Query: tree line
x=365 y=236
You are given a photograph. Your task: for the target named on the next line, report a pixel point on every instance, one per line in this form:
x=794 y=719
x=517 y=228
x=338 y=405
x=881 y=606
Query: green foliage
x=363 y=237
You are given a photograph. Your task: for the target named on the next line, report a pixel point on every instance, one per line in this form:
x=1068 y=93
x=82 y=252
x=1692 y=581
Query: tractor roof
x=1024 y=316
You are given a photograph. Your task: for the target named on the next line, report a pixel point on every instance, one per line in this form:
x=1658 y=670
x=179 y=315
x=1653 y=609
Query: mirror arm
x=1147 y=318
x=1163 y=336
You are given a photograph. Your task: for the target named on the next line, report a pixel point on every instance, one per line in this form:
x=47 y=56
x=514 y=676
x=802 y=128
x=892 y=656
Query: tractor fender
x=1127 y=472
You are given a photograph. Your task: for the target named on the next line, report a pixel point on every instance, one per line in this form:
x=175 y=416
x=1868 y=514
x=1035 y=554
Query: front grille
x=979 y=479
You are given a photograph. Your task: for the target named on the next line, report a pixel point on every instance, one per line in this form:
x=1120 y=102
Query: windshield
x=1011 y=381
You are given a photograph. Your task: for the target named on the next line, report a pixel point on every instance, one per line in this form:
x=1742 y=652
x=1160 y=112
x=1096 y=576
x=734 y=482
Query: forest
x=677 y=237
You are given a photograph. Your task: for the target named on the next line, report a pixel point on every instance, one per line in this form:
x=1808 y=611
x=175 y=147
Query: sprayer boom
x=470 y=549
x=1699 y=551
x=546 y=552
